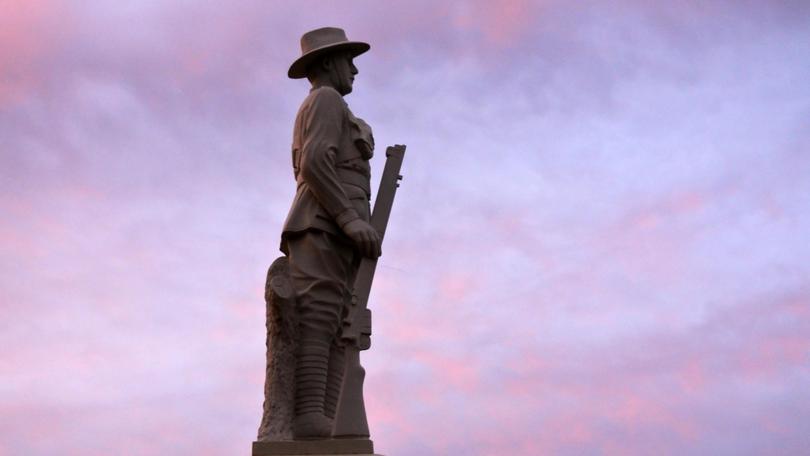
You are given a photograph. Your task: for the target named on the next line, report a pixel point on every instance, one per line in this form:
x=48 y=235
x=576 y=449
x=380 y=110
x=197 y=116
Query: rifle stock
x=350 y=420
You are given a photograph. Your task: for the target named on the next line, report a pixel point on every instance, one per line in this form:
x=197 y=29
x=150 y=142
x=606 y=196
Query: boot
x=334 y=380
x=310 y=391
x=311 y=426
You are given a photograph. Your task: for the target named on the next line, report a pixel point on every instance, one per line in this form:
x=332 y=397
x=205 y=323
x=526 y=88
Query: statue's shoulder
x=327 y=96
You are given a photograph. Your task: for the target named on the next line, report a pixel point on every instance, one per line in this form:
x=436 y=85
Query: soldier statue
x=327 y=229
x=317 y=294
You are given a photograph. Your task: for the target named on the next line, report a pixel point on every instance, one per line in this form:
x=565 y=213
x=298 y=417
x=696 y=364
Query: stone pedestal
x=329 y=447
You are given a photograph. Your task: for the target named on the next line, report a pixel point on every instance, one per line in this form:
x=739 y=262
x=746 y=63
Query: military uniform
x=330 y=152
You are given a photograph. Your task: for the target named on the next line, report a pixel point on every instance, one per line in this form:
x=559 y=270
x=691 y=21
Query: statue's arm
x=323 y=127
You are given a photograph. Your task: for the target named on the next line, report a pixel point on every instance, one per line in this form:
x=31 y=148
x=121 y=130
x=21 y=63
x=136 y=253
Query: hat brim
x=298 y=69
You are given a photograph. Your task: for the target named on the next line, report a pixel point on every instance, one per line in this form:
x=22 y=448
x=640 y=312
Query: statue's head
x=335 y=69
x=326 y=56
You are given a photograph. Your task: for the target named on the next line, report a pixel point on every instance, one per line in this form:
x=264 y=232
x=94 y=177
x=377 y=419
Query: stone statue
x=317 y=293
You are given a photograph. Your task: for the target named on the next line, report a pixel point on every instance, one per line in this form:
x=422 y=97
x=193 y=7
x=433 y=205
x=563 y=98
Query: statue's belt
x=355 y=177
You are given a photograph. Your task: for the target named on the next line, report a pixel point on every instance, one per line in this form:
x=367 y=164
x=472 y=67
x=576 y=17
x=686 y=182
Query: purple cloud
x=599 y=245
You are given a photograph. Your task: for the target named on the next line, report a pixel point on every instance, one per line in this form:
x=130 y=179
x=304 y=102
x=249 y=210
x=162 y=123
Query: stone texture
x=314 y=447
x=314 y=379
x=327 y=228
x=279 y=384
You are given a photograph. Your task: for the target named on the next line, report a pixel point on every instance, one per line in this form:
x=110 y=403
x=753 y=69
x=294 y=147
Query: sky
x=599 y=245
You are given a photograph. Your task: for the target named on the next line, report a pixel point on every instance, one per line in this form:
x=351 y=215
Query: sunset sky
x=601 y=244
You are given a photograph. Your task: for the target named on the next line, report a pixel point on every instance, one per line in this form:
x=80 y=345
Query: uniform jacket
x=330 y=152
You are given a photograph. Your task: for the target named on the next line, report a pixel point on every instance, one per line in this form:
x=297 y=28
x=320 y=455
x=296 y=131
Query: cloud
x=598 y=245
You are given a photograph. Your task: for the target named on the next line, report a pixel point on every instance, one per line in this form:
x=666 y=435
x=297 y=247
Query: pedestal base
x=336 y=447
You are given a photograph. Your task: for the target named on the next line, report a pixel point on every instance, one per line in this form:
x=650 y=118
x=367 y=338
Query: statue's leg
x=334 y=381
x=337 y=355
x=318 y=270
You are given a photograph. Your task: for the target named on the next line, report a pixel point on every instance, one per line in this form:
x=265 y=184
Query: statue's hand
x=365 y=237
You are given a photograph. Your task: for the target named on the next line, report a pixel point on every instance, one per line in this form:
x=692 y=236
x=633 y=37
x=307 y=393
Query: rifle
x=350 y=419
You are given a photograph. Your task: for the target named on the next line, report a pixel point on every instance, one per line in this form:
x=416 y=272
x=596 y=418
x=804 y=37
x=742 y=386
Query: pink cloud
x=31 y=33
x=502 y=22
x=567 y=271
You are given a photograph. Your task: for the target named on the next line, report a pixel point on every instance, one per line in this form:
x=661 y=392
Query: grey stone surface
x=327 y=229
x=316 y=296
x=311 y=447
x=279 y=383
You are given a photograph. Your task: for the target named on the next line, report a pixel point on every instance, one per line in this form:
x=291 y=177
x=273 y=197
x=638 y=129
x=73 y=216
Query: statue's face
x=341 y=72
